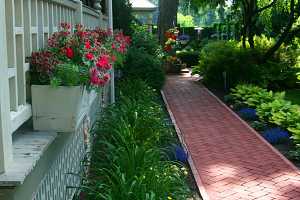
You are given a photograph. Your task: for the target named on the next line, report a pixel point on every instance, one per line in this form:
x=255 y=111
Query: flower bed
x=132 y=152
x=277 y=119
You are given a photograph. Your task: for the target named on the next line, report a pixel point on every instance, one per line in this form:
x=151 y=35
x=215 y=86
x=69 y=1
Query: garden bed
x=284 y=146
x=136 y=154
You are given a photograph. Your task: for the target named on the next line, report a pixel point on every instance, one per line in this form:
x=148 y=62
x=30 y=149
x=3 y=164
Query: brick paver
x=230 y=160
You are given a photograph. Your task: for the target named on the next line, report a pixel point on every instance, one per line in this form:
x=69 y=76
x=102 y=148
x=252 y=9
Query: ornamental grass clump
x=80 y=57
x=128 y=159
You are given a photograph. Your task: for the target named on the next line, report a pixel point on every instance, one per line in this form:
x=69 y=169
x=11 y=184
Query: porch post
x=5 y=135
x=110 y=26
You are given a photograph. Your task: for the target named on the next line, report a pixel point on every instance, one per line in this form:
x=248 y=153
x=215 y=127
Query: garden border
x=253 y=131
x=197 y=178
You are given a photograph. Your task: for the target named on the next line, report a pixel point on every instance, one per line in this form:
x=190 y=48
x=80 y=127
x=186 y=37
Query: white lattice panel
x=63 y=178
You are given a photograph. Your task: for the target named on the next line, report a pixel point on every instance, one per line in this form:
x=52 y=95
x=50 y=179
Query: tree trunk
x=167 y=17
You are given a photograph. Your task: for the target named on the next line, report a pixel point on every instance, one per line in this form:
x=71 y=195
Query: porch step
x=28 y=147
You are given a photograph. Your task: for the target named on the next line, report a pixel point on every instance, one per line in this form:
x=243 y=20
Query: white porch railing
x=26 y=26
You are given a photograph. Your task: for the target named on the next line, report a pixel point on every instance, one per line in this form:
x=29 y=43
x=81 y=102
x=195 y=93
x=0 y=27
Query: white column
x=5 y=136
x=79 y=13
x=110 y=26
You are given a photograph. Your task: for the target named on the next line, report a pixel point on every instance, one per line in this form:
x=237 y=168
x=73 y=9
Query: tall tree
x=167 y=17
x=290 y=30
x=123 y=17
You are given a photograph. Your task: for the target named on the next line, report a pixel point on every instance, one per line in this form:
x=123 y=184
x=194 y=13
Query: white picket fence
x=26 y=26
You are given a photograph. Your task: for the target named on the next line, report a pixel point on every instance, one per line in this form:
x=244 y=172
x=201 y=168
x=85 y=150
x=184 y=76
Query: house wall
x=27 y=26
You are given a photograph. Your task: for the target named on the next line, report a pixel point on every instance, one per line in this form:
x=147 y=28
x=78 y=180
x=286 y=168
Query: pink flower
x=108 y=67
x=89 y=56
x=106 y=77
x=94 y=76
x=87 y=45
x=103 y=61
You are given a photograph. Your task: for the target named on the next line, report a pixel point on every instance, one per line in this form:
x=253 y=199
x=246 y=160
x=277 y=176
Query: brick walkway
x=229 y=160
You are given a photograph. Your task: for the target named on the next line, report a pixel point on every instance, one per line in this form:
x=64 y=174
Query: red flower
x=103 y=61
x=168 y=47
x=89 y=56
x=69 y=52
x=87 y=45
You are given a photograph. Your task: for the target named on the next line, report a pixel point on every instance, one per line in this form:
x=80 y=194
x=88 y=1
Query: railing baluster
x=5 y=137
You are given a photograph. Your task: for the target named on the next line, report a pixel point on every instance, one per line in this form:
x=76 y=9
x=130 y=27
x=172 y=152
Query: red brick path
x=230 y=160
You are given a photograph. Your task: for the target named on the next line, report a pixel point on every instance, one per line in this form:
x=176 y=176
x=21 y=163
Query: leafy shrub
x=245 y=65
x=144 y=40
x=252 y=95
x=279 y=112
x=190 y=58
x=258 y=125
x=141 y=65
x=276 y=135
x=222 y=56
x=270 y=107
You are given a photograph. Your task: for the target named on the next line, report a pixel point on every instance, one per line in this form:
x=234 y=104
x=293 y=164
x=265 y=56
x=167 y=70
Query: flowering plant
x=83 y=57
x=171 y=37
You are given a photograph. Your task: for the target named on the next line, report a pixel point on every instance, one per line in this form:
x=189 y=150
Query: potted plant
x=64 y=74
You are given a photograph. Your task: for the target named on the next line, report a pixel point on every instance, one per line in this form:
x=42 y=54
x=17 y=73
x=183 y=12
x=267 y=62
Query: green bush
x=141 y=65
x=146 y=41
x=245 y=65
x=222 y=56
x=279 y=112
x=189 y=57
x=253 y=96
x=128 y=158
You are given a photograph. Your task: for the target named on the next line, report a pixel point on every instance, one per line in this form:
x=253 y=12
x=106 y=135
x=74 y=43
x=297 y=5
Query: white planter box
x=58 y=109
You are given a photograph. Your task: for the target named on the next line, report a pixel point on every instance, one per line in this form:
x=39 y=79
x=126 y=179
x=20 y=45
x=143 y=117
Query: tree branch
x=284 y=34
x=266 y=7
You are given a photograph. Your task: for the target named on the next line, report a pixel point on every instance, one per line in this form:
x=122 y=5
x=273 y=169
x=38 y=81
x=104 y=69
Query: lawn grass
x=293 y=96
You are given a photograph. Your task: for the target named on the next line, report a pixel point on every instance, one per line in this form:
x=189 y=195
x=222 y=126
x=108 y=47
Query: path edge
x=288 y=162
x=196 y=175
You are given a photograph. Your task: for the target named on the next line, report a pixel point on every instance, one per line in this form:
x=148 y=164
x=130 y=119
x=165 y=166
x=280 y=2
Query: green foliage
x=141 y=65
x=66 y=74
x=252 y=95
x=122 y=16
x=185 y=20
x=146 y=41
x=128 y=159
x=244 y=65
x=189 y=57
x=143 y=59
x=280 y=112
x=222 y=56
x=271 y=108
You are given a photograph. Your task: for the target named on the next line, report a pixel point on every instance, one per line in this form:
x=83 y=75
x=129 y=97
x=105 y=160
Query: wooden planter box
x=58 y=109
